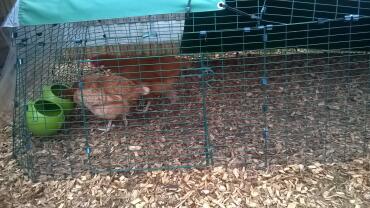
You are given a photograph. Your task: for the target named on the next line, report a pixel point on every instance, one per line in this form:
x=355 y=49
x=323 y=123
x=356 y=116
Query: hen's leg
x=107 y=128
x=172 y=95
x=125 y=121
x=109 y=125
x=147 y=106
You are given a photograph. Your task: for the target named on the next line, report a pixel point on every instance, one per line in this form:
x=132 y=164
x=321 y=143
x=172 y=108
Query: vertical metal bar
x=314 y=11
x=358 y=7
x=237 y=15
x=326 y=100
x=261 y=12
x=244 y=83
x=208 y=150
x=84 y=111
x=26 y=159
x=348 y=86
x=336 y=10
x=291 y=13
x=305 y=107
x=265 y=104
x=244 y=88
x=15 y=124
x=286 y=94
x=366 y=137
x=222 y=61
x=188 y=8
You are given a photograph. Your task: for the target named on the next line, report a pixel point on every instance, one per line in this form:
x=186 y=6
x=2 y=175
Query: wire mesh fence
x=197 y=89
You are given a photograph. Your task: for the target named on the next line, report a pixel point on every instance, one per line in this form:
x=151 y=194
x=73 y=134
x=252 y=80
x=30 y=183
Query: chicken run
x=192 y=90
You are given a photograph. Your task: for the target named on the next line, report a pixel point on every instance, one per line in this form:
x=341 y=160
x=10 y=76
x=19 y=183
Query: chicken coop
x=157 y=85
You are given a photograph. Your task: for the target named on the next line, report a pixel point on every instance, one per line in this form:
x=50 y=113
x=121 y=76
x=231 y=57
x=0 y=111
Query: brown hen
x=108 y=96
x=159 y=74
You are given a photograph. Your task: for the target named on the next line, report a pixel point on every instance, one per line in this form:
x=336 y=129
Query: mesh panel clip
x=322 y=20
x=247 y=29
x=14 y=35
x=88 y=150
x=266 y=134
x=352 y=17
x=203 y=34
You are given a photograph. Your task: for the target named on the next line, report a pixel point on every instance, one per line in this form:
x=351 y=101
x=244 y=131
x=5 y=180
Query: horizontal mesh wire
x=253 y=92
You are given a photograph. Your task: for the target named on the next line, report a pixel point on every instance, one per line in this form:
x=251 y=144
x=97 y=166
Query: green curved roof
x=39 y=12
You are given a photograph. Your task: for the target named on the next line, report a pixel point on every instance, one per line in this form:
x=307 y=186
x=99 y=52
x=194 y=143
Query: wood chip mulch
x=317 y=185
